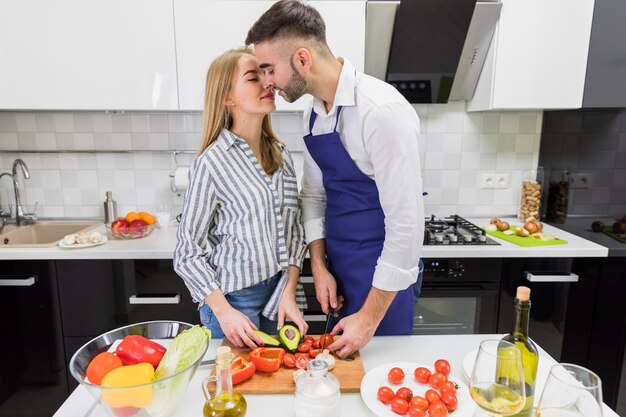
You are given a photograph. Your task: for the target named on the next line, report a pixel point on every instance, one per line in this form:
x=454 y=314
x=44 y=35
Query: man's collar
x=345 y=93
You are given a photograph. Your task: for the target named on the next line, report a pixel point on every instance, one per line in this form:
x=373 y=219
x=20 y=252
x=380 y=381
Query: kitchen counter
x=381 y=350
x=161 y=242
x=581 y=226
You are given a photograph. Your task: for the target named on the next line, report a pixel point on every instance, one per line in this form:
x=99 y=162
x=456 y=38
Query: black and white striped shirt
x=239 y=226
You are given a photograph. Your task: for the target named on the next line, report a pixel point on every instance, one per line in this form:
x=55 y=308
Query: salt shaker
x=317 y=392
x=110 y=208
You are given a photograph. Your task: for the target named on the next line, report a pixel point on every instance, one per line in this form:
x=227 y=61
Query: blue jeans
x=417 y=287
x=249 y=301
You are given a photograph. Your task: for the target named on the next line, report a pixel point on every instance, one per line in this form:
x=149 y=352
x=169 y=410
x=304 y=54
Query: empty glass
x=571 y=391
x=163 y=216
x=497 y=381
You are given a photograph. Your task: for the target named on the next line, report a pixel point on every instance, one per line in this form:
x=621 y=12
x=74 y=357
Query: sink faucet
x=19 y=211
x=4 y=216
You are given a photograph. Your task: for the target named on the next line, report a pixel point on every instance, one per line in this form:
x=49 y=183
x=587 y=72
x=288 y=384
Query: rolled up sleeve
x=313 y=200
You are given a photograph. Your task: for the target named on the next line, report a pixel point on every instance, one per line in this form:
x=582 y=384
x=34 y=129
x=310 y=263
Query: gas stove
x=454 y=230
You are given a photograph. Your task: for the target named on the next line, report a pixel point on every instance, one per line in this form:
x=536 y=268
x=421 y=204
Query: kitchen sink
x=43 y=234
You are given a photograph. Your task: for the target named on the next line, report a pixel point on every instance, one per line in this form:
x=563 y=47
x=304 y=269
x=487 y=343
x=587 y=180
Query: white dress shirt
x=380 y=130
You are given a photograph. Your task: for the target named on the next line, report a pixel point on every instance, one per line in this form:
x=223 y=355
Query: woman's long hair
x=217 y=115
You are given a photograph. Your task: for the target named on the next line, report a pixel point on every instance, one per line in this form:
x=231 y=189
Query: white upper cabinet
x=206 y=28
x=87 y=55
x=538 y=56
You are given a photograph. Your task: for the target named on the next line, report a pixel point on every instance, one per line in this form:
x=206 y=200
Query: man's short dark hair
x=288 y=19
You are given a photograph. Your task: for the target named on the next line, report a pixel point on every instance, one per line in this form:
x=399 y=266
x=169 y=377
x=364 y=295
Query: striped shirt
x=239 y=226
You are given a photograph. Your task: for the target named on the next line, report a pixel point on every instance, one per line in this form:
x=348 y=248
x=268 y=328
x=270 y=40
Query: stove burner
x=454 y=230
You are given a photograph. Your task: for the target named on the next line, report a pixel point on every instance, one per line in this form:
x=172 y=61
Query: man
x=361 y=190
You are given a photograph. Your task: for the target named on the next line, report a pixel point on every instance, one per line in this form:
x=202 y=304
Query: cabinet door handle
x=306 y=280
x=18 y=282
x=156 y=299
x=551 y=276
x=314 y=317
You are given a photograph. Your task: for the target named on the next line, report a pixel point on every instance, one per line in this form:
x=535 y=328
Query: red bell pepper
x=267 y=359
x=242 y=369
x=137 y=349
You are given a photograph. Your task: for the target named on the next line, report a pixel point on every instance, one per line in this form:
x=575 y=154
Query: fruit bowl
x=131 y=232
x=158 y=398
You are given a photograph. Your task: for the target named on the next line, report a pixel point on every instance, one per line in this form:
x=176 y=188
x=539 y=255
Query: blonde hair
x=217 y=115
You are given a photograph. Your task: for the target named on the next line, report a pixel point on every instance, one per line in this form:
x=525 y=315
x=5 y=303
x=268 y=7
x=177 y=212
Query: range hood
x=438 y=48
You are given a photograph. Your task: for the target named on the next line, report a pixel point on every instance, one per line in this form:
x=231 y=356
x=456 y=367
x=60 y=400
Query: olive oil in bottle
x=225 y=402
x=519 y=337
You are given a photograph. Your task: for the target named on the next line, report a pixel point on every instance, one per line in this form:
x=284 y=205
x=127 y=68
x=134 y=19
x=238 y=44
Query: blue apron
x=355 y=230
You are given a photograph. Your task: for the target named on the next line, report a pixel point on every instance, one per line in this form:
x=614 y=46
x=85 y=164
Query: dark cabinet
x=605 y=81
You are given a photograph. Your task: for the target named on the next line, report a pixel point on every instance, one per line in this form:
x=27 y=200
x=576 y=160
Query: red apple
x=120 y=225
x=137 y=224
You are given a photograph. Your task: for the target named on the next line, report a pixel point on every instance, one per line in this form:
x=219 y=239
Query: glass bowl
x=131 y=232
x=163 y=395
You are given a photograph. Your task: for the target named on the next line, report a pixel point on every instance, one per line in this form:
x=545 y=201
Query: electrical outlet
x=581 y=180
x=487 y=180
x=501 y=181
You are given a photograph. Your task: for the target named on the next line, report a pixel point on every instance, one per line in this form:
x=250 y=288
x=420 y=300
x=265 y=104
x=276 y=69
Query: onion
x=495 y=220
x=597 y=226
x=531 y=227
x=619 y=227
x=522 y=232
x=502 y=226
x=491 y=228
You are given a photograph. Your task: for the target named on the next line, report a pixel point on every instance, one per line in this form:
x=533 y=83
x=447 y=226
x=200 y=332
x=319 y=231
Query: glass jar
x=558 y=196
x=317 y=392
x=530 y=202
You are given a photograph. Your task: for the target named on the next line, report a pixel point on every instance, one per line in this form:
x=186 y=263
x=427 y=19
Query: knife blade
x=329 y=316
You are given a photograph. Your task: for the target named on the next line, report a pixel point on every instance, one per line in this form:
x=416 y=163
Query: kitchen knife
x=329 y=316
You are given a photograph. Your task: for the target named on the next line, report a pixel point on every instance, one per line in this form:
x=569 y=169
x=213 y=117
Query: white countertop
x=381 y=350
x=160 y=245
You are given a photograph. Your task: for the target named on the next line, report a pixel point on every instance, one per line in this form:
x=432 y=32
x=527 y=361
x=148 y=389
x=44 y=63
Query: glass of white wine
x=497 y=381
x=571 y=391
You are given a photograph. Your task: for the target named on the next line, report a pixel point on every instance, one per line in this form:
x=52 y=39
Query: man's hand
x=358 y=329
x=325 y=289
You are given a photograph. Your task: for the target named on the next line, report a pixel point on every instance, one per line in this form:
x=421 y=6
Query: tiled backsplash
x=590 y=144
x=456 y=149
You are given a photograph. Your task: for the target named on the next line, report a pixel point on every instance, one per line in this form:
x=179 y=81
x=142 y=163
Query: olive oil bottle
x=225 y=402
x=519 y=337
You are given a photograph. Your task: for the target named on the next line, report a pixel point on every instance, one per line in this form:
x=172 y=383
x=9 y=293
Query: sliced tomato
x=304 y=347
x=289 y=360
x=302 y=362
x=314 y=352
x=308 y=340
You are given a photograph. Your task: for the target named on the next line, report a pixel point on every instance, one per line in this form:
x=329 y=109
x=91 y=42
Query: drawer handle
x=314 y=317
x=306 y=280
x=551 y=277
x=158 y=299
x=18 y=282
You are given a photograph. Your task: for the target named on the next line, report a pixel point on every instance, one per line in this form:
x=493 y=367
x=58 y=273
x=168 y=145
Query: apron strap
x=314 y=116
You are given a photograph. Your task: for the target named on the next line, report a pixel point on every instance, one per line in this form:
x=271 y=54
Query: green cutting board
x=526 y=241
x=608 y=230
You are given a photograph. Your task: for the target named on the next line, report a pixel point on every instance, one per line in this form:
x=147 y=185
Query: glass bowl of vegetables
x=143 y=369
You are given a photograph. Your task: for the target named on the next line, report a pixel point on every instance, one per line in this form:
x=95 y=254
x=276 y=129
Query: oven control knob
x=456 y=270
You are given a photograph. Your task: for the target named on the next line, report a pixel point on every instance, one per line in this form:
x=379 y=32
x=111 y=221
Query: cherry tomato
x=289 y=360
x=448 y=386
x=422 y=374
x=308 y=340
x=385 y=395
x=101 y=365
x=314 y=352
x=437 y=409
x=416 y=412
x=436 y=380
x=450 y=400
x=404 y=393
x=325 y=340
x=432 y=396
x=400 y=406
x=301 y=362
x=419 y=402
x=442 y=366
x=396 y=375
x=304 y=347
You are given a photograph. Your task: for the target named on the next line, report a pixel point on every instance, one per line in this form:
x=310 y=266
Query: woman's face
x=248 y=93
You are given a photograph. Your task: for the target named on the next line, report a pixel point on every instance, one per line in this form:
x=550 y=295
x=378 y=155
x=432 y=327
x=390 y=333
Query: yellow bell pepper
x=128 y=376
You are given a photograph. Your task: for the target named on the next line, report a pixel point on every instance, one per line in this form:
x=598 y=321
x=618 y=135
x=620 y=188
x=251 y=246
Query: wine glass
x=497 y=381
x=571 y=391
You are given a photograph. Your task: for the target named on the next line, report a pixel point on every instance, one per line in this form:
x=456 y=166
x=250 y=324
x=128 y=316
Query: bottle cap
x=523 y=293
x=223 y=353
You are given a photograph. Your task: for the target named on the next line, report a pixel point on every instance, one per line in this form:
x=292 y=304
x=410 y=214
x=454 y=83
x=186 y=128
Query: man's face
x=280 y=71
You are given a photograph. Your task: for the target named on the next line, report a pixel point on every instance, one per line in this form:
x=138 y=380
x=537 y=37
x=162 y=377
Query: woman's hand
x=288 y=309
x=238 y=328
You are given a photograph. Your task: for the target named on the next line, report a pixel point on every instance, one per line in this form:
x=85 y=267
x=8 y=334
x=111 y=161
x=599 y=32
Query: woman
x=241 y=241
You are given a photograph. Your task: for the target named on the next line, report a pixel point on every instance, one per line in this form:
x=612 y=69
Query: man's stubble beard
x=296 y=87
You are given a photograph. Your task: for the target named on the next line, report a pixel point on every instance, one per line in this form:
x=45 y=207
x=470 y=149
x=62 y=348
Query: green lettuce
x=183 y=351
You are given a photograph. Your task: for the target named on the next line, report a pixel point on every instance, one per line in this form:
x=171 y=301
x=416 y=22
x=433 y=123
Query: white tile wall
x=456 y=149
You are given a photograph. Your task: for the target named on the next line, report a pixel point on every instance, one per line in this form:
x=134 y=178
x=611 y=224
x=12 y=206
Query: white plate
x=468 y=363
x=63 y=245
x=377 y=378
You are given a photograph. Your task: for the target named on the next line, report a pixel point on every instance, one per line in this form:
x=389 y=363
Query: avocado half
x=267 y=339
x=289 y=336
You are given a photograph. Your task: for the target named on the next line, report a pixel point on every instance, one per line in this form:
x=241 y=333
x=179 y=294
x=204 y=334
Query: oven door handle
x=18 y=282
x=550 y=276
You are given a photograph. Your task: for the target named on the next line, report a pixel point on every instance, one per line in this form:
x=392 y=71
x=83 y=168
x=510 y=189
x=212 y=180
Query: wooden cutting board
x=348 y=372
